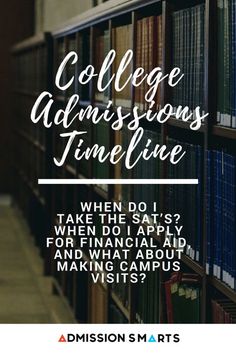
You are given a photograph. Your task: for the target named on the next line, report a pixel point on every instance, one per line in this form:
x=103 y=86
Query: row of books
x=151 y=169
x=221 y=224
x=82 y=296
x=148 y=55
x=223 y=311
x=186 y=200
x=226 y=70
x=101 y=136
x=121 y=42
x=81 y=45
x=36 y=132
x=188 y=55
x=102 y=47
x=147 y=309
x=30 y=139
x=30 y=70
x=183 y=298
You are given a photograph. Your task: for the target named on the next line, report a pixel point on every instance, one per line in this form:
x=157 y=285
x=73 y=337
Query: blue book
x=199 y=203
x=215 y=214
x=233 y=62
x=219 y=212
x=225 y=219
x=208 y=218
x=233 y=219
x=209 y=256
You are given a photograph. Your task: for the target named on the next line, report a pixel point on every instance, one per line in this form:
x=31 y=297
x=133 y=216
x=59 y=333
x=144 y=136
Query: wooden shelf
x=60 y=99
x=225 y=132
x=102 y=193
x=81 y=176
x=184 y=125
x=195 y=266
x=31 y=140
x=223 y=288
x=71 y=170
x=26 y=93
x=29 y=43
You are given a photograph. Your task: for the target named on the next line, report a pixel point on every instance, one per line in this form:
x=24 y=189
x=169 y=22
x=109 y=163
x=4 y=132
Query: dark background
x=16 y=23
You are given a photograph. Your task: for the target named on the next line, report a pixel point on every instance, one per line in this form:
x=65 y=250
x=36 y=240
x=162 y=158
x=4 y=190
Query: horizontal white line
x=117 y=181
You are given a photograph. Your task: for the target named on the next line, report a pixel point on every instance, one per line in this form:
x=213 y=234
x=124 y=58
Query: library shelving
x=160 y=33
x=31 y=144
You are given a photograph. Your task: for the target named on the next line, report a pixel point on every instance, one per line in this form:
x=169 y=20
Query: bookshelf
x=92 y=37
x=32 y=74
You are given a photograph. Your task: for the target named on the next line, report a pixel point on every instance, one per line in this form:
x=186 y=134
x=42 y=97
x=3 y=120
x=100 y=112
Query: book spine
x=159 y=56
x=199 y=203
x=227 y=112
x=215 y=213
x=220 y=69
x=114 y=65
x=174 y=54
x=224 y=218
x=106 y=51
x=233 y=60
x=184 y=58
x=219 y=209
x=202 y=56
x=138 y=60
x=233 y=218
x=144 y=60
